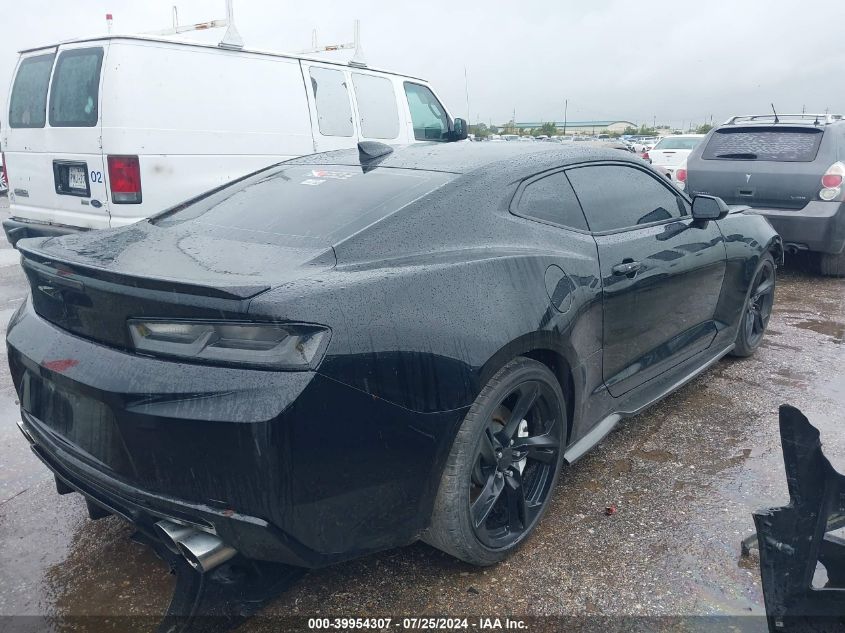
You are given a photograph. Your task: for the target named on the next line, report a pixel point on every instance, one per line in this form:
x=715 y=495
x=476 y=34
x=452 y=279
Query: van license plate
x=76 y=178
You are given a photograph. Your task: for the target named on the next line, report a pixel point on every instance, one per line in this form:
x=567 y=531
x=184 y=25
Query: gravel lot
x=685 y=477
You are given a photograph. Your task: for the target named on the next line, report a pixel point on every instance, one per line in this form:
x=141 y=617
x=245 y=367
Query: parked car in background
x=679 y=176
x=589 y=288
x=789 y=169
x=671 y=151
x=138 y=124
x=511 y=137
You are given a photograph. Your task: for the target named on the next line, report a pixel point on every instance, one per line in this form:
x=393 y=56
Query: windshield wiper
x=742 y=155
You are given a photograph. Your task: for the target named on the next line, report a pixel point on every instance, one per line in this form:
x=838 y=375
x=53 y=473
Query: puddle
x=834 y=330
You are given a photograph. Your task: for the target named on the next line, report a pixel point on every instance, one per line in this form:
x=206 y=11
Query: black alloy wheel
x=503 y=465
x=515 y=464
x=758 y=309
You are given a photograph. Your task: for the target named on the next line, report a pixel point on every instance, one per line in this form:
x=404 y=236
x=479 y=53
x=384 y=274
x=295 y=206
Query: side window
x=617 y=197
x=551 y=199
x=430 y=121
x=75 y=91
x=334 y=114
x=376 y=105
x=28 y=104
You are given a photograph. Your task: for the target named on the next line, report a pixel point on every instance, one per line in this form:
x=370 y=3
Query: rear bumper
x=818 y=227
x=284 y=466
x=252 y=536
x=21 y=229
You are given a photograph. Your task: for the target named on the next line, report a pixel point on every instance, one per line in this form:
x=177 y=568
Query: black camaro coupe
x=350 y=351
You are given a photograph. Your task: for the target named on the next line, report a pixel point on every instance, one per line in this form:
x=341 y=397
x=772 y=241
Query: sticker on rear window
x=312 y=181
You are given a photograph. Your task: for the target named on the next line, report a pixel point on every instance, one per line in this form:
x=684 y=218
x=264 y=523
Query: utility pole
x=466 y=89
x=565 y=112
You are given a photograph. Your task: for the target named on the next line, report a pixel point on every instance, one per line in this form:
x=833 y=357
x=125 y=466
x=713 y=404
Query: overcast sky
x=612 y=59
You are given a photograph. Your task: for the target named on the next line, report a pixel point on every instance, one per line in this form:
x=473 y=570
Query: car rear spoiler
x=70 y=272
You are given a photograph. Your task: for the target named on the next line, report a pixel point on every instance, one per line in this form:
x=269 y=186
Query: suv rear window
x=28 y=104
x=76 y=87
x=798 y=145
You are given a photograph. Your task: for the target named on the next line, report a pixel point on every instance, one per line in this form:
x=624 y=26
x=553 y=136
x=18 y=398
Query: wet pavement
x=684 y=477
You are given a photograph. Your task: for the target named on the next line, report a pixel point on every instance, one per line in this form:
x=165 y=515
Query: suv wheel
x=502 y=467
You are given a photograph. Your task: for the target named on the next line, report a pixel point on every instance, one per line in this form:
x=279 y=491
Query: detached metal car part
x=351 y=351
x=792 y=539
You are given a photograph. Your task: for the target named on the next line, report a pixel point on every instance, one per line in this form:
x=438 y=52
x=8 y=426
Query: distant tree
x=493 y=129
x=630 y=130
x=480 y=130
x=704 y=128
x=549 y=129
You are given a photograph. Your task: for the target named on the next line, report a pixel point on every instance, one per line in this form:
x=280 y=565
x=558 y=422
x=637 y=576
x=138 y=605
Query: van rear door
x=53 y=146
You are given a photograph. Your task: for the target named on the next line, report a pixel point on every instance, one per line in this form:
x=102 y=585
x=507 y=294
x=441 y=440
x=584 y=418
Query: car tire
x=831 y=265
x=757 y=309
x=469 y=480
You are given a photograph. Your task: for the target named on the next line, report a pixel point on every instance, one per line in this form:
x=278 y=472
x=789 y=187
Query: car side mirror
x=708 y=208
x=460 y=130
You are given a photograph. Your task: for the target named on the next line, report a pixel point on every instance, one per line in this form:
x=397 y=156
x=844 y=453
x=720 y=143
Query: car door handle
x=626 y=268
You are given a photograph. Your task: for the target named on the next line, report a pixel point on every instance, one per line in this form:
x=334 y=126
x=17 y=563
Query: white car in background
x=671 y=152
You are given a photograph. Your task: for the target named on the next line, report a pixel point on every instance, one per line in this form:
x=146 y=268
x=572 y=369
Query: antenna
x=777 y=120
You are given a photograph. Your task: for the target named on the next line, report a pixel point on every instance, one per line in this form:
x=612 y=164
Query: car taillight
x=832 y=182
x=646 y=156
x=681 y=175
x=125 y=179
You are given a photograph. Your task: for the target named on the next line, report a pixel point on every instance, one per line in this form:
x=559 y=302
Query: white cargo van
x=104 y=132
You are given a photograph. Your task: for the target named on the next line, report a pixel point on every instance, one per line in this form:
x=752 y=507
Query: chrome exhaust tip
x=171 y=533
x=204 y=551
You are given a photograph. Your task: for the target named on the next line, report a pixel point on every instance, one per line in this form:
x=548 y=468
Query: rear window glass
x=76 y=86
x=28 y=104
x=324 y=202
x=678 y=143
x=551 y=199
x=774 y=144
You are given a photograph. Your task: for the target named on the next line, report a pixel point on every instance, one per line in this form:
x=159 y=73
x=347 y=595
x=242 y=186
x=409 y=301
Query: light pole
x=565 y=110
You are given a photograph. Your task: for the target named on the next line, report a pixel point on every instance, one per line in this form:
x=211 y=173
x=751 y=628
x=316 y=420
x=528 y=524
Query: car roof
x=512 y=159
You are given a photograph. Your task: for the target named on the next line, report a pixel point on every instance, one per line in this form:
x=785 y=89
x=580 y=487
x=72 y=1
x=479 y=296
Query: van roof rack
x=355 y=45
x=817 y=119
x=231 y=38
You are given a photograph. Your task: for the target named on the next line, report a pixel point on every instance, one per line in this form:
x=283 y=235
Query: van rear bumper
x=818 y=227
x=21 y=229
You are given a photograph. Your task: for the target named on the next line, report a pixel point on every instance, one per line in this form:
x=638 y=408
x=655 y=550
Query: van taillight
x=125 y=179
